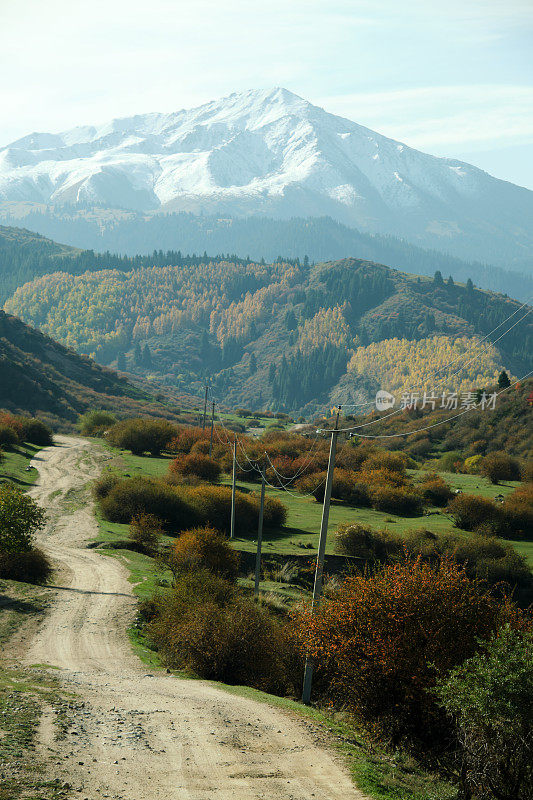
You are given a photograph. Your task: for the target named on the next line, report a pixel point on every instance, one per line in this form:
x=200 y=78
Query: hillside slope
x=270 y=152
x=25 y=254
x=286 y=335
x=38 y=376
x=168 y=238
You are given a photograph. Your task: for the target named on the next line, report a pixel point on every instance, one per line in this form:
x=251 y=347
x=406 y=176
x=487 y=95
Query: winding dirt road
x=140 y=734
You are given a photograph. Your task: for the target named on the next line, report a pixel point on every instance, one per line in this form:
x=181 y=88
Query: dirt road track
x=140 y=734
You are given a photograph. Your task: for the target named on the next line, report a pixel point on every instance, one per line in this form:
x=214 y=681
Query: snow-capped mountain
x=271 y=152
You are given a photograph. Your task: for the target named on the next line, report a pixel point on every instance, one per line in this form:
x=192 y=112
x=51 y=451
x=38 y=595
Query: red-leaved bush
x=383 y=640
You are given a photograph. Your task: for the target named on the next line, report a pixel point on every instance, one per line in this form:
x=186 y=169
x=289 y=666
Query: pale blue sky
x=451 y=77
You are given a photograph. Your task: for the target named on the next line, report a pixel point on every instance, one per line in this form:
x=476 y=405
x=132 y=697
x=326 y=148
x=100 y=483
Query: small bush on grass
x=202 y=446
x=20 y=519
x=103 y=485
x=204 y=548
x=434 y=489
x=469 y=511
x=399 y=501
x=196 y=464
x=185 y=437
x=382 y=476
x=212 y=505
x=383 y=641
x=96 y=422
x=133 y=496
x=29 y=566
x=36 y=432
x=451 y=462
x=206 y=626
x=346 y=486
x=472 y=464
x=392 y=462
x=141 y=435
x=145 y=533
x=362 y=542
x=351 y=457
x=8 y=437
x=518 y=511
x=490 y=699
x=500 y=467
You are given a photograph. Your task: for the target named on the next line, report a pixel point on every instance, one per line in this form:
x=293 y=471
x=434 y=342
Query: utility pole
x=259 y=534
x=212 y=427
x=233 y=481
x=319 y=571
x=205 y=407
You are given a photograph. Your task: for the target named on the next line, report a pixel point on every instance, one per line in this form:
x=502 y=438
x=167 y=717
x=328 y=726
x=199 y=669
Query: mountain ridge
x=272 y=153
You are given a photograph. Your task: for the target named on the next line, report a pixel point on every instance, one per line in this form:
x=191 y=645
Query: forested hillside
x=285 y=335
x=40 y=376
x=320 y=238
x=25 y=255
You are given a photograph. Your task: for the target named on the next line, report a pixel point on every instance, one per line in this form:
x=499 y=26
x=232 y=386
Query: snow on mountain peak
x=265 y=151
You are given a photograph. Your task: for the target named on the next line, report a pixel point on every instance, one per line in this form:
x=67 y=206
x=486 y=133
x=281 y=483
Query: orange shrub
x=196 y=464
x=201 y=548
x=518 y=511
x=500 y=467
x=185 y=437
x=381 y=477
x=403 y=502
x=212 y=506
x=434 y=489
x=383 y=460
x=469 y=511
x=351 y=457
x=380 y=644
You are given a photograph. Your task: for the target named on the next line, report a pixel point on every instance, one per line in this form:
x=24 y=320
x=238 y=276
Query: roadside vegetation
x=20 y=517
x=429 y=581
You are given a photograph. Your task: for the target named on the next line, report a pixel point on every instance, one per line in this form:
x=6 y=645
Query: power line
x=398 y=411
x=470 y=349
x=442 y=422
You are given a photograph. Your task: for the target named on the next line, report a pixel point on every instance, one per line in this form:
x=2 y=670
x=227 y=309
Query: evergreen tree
x=137 y=355
x=438 y=279
x=121 y=362
x=146 y=357
x=503 y=380
x=450 y=282
x=290 y=320
x=469 y=286
x=253 y=364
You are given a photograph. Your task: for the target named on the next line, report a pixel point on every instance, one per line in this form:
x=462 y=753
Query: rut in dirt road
x=141 y=734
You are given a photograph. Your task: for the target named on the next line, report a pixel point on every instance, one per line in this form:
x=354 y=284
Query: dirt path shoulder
x=140 y=735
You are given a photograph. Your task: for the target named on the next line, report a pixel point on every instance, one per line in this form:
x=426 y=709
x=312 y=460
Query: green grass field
x=300 y=533
x=14 y=463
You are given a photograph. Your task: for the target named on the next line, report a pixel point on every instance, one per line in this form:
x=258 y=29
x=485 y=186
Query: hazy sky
x=452 y=77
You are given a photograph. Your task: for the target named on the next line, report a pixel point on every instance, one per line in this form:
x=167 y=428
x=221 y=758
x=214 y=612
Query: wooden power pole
x=259 y=534
x=212 y=428
x=233 y=482
x=205 y=407
x=319 y=571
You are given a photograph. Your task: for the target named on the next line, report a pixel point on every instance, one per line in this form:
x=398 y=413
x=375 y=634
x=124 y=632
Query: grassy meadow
x=300 y=533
